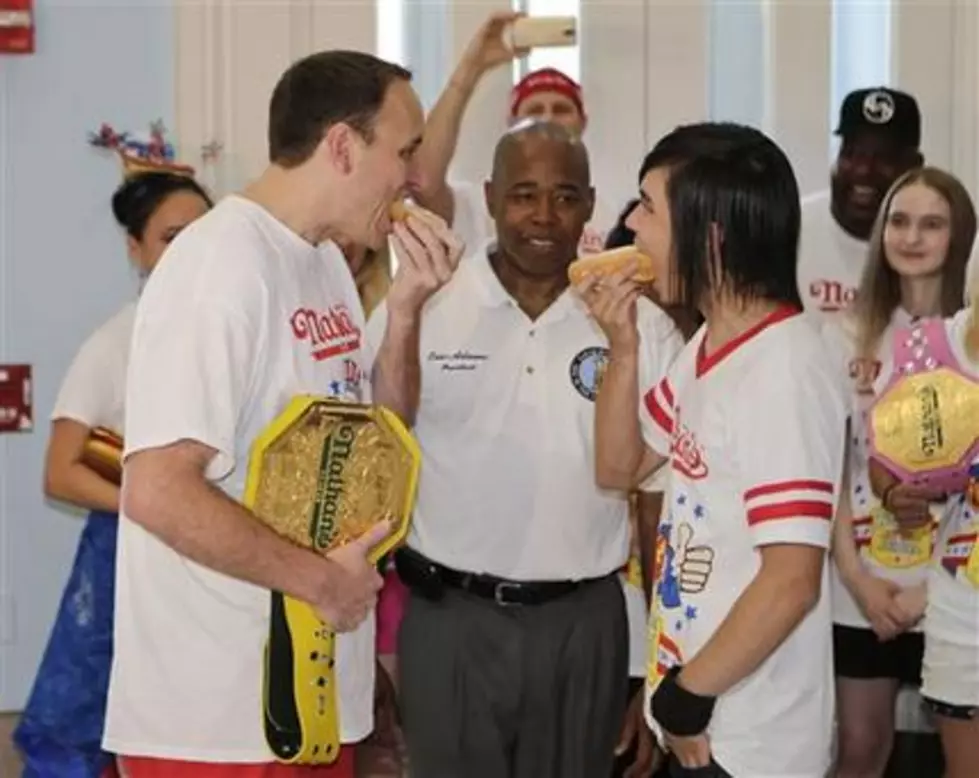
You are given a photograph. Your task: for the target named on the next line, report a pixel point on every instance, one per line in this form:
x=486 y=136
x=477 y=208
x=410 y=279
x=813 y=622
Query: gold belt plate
x=926 y=421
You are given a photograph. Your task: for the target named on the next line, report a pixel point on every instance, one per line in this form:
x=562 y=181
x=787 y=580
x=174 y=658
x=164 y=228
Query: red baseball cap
x=545 y=80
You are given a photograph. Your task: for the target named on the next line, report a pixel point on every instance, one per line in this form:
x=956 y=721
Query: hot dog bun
x=608 y=262
x=399 y=211
x=103 y=454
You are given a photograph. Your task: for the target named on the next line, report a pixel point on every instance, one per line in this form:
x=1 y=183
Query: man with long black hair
x=751 y=418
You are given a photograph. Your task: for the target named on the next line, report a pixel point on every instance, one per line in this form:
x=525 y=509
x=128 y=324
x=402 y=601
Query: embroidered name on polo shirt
x=458 y=360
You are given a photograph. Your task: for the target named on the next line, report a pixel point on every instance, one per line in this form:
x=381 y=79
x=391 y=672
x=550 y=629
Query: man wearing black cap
x=880 y=135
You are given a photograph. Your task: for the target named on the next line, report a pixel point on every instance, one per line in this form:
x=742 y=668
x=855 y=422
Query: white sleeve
x=790 y=451
x=660 y=343
x=190 y=372
x=957 y=328
x=88 y=393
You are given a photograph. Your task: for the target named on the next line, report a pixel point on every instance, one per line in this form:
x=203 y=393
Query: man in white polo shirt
x=880 y=132
x=546 y=94
x=246 y=310
x=513 y=648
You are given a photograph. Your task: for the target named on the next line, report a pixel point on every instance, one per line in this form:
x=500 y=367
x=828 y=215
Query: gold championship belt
x=322 y=474
x=922 y=426
x=103 y=454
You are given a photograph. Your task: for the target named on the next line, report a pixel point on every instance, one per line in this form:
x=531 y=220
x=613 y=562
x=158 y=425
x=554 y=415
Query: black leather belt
x=429 y=579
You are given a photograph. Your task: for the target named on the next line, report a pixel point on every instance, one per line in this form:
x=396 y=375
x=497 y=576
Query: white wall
x=62 y=264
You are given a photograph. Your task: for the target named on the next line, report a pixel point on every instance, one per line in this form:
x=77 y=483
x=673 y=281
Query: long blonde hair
x=879 y=294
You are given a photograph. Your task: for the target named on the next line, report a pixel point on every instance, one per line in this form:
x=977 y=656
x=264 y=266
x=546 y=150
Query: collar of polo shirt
x=493 y=295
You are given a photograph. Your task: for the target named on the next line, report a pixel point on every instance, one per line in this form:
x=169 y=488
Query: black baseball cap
x=883 y=111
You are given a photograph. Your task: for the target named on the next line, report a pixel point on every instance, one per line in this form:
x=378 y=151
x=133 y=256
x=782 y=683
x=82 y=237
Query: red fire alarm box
x=16 y=26
x=16 y=405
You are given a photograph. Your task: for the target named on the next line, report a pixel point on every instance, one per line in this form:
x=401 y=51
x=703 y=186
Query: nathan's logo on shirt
x=330 y=333
x=830 y=295
x=588 y=369
x=457 y=360
x=687 y=453
x=863 y=372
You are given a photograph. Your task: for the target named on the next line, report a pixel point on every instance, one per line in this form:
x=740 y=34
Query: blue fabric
x=60 y=733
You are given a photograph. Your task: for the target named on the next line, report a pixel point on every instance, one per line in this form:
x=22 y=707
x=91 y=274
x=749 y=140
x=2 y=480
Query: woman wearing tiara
x=916 y=269
x=60 y=732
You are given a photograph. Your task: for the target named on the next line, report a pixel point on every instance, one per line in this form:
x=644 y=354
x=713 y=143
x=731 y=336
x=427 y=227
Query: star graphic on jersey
x=690 y=613
x=335 y=387
x=679 y=626
x=681 y=500
x=699 y=511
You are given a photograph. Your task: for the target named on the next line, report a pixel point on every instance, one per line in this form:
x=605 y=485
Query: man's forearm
x=202 y=523
x=441 y=139
x=767 y=612
x=396 y=377
x=618 y=440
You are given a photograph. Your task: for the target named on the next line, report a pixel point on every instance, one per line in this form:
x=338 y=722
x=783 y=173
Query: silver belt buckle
x=499 y=592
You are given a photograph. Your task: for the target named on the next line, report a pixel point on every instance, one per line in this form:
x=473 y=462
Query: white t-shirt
x=831 y=260
x=505 y=424
x=884 y=550
x=241 y=316
x=953 y=586
x=755 y=437
x=93 y=391
x=472 y=223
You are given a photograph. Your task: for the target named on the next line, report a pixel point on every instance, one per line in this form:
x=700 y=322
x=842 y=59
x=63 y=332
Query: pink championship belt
x=922 y=426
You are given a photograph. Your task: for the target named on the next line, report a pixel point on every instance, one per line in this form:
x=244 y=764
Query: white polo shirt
x=240 y=316
x=505 y=424
x=93 y=391
x=472 y=223
x=754 y=434
x=831 y=260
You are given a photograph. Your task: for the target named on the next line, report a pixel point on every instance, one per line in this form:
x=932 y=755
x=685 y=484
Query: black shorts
x=858 y=653
x=959 y=712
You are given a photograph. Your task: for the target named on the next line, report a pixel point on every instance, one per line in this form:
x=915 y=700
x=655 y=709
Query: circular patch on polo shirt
x=587 y=370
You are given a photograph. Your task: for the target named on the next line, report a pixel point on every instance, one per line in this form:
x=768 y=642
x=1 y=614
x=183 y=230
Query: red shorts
x=143 y=767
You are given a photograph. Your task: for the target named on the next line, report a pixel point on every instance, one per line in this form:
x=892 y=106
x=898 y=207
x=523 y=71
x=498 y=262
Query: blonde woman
x=918 y=253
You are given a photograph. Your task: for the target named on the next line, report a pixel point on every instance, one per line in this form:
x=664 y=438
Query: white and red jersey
x=885 y=550
x=754 y=434
x=831 y=260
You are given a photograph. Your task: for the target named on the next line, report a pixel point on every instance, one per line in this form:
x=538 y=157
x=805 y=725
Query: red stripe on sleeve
x=788 y=486
x=795 y=509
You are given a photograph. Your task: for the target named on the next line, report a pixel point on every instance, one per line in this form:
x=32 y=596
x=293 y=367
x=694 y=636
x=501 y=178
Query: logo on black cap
x=878 y=107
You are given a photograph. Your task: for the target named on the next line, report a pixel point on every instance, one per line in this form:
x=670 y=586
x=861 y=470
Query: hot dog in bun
x=609 y=262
